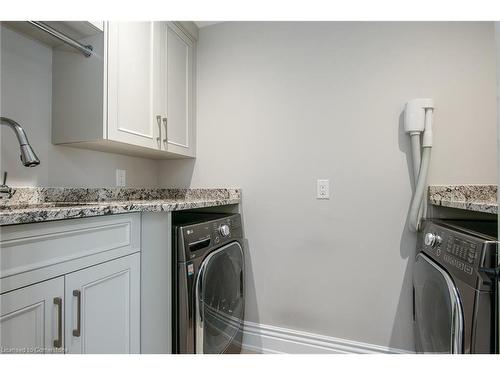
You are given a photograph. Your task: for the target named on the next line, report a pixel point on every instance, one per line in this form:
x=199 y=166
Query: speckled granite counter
x=479 y=198
x=29 y=205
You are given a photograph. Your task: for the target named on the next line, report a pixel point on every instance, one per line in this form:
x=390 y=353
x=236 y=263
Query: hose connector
x=415 y=114
x=427 y=136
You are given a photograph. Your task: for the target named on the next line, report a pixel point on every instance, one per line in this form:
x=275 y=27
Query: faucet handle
x=5 y=191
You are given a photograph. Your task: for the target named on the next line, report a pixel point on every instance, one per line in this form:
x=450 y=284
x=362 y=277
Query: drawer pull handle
x=78 y=295
x=58 y=341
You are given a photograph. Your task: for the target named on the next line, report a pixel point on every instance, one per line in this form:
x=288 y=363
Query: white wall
x=283 y=104
x=26 y=90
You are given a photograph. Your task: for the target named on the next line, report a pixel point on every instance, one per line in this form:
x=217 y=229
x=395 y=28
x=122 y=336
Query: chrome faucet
x=28 y=156
x=5 y=191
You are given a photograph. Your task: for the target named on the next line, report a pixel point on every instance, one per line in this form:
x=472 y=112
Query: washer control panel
x=198 y=238
x=452 y=249
x=460 y=253
x=225 y=229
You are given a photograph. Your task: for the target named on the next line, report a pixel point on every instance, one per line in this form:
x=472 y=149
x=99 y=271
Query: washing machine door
x=439 y=318
x=219 y=299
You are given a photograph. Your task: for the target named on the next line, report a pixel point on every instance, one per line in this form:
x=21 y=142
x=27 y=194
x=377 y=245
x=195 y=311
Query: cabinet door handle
x=58 y=341
x=158 y=120
x=165 y=124
x=78 y=295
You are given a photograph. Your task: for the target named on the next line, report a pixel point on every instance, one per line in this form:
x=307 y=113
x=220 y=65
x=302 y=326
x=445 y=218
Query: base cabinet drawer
x=32 y=253
x=94 y=310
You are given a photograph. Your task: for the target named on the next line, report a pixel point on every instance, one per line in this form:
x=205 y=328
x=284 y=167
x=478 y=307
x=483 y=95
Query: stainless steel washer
x=453 y=289
x=208 y=283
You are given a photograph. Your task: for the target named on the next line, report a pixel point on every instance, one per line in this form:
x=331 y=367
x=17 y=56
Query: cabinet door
x=134 y=54
x=103 y=307
x=180 y=94
x=31 y=318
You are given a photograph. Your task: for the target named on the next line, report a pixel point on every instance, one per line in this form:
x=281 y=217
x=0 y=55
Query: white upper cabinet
x=133 y=83
x=135 y=95
x=180 y=98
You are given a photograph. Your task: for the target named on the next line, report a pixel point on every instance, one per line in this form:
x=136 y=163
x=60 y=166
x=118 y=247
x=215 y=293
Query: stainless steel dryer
x=208 y=283
x=453 y=288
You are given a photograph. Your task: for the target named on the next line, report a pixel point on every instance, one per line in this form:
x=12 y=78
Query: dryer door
x=438 y=312
x=219 y=299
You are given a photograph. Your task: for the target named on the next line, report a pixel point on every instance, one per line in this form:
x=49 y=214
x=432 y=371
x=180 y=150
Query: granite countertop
x=29 y=205
x=479 y=198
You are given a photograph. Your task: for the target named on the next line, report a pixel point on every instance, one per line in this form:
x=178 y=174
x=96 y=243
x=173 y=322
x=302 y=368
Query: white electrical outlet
x=121 y=177
x=323 y=189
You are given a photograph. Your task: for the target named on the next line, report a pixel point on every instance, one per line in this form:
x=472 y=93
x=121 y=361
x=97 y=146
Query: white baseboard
x=266 y=339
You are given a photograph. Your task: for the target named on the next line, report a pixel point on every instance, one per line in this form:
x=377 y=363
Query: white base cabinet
x=103 y=308
x=95 y=310
x=31 y=318
x=71 y=286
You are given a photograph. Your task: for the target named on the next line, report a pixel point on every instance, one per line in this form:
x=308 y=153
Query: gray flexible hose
x=415 y=153
x=416 y=203
x=417 y=159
